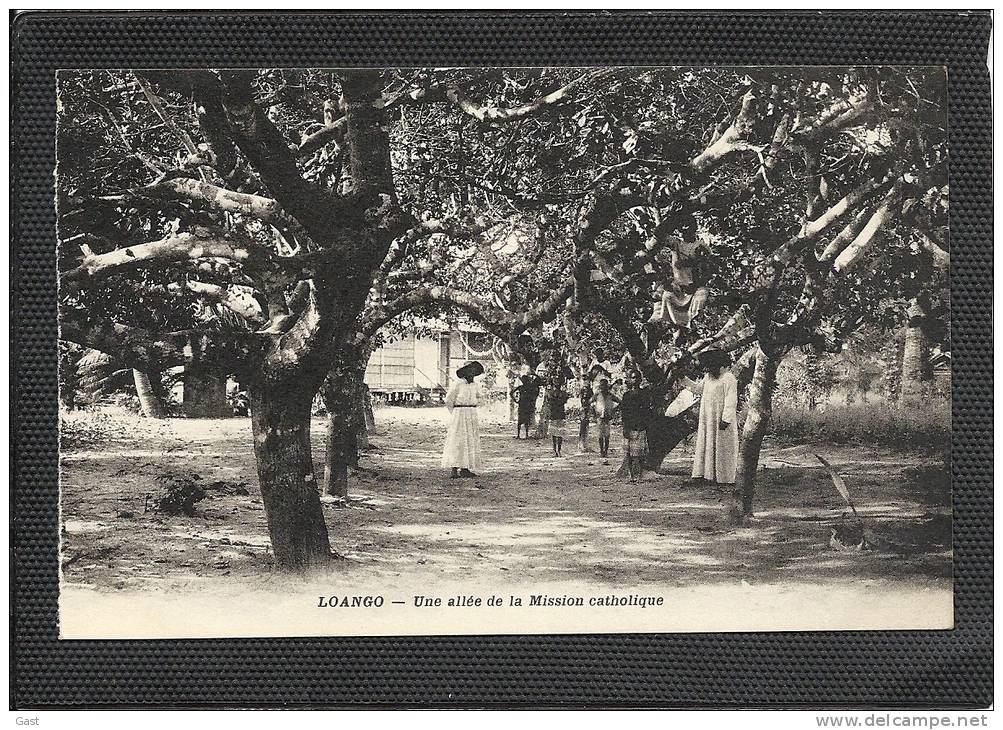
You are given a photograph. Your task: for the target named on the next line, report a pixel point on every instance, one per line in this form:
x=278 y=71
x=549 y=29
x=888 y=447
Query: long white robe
x=716 y=454
x=463 y=439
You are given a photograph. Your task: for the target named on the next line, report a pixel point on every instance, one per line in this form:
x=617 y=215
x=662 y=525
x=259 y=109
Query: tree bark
x=891 y=358
x=914 y=349
x=360 y=417
x=542 y=428
x=342 y=392
x=664 y=434
x=68 y=380
x=148 y=399
x=204 y=394
x=758 y=410
x=280 y=420
x=367 y=410
x=583 y=433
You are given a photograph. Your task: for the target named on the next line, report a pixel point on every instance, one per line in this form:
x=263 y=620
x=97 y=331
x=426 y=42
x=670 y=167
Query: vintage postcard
x=413 y=351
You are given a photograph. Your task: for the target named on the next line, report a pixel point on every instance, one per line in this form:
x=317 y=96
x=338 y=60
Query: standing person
x=636 y=410
x=585 y=397
x=600 y=367
x=715 y=457
x=557 y=397
x=462 y=451
x=604 y=406
x=525 y=396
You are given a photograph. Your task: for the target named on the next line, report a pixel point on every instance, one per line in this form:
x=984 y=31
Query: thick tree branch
x=859 y=233
x=302 y=341
x=495 y=319
x=850 y=202
x=500 y=115
x=238 y=300
x=732 y=140
x=852 y=254
x=842 y=239
x=842 y=114
x=769 y=271
x=314 y=141
x=267 y=150
x=182 y=247
x=134 y=346
x=633 y=343
x=212 y=196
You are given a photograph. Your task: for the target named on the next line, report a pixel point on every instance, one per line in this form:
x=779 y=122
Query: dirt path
x=530 y=519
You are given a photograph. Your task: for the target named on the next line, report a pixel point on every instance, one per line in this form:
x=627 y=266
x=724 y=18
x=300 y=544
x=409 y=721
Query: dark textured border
x=820 y=669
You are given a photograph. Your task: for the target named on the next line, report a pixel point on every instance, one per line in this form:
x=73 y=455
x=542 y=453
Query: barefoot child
x=604 y=406
x=636 y=410
x=557 y=397
x=462 y=451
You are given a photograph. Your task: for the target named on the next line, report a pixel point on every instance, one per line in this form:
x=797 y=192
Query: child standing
x=604 y=406
x=636 y=409
x=526 y=394
x=715 y=457
x=557 y=397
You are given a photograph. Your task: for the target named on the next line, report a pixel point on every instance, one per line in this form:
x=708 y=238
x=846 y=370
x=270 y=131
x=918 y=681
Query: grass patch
x=91 y=428
x=923 y=426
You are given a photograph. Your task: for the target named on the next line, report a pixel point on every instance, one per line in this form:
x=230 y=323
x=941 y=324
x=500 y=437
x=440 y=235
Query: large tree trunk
x=361 y=417
x=583 y=433
x=68 y=380
x=542 y=428
x=342 y=393
x=368 y=417
x=758 y=410
x=914 y=352
x=204 y=395
x=149 y=400
x=664 y=434
x=280 y=420
x=892 y=361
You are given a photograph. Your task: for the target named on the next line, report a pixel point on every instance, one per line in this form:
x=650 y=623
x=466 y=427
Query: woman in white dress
x=462 y=452
x=715 y=457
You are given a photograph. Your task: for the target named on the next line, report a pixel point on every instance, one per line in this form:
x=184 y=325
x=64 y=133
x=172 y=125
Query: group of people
x=606 y=390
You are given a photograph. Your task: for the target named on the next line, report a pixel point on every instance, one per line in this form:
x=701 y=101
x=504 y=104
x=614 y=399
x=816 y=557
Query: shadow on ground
x=529 y=517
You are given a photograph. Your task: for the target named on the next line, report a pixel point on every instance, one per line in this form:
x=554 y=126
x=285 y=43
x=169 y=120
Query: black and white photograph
x=503 y=350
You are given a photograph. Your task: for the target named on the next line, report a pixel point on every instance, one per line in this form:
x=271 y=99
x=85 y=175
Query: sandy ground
x=531 y=524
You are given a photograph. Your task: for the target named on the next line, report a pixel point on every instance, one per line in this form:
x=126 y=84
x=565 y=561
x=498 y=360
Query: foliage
x=525 y=183
x=238 y=402
x=925 y=427
x=84 y=429
x=181 y=492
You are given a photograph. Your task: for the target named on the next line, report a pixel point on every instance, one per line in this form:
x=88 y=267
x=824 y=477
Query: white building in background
x=420 y=365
